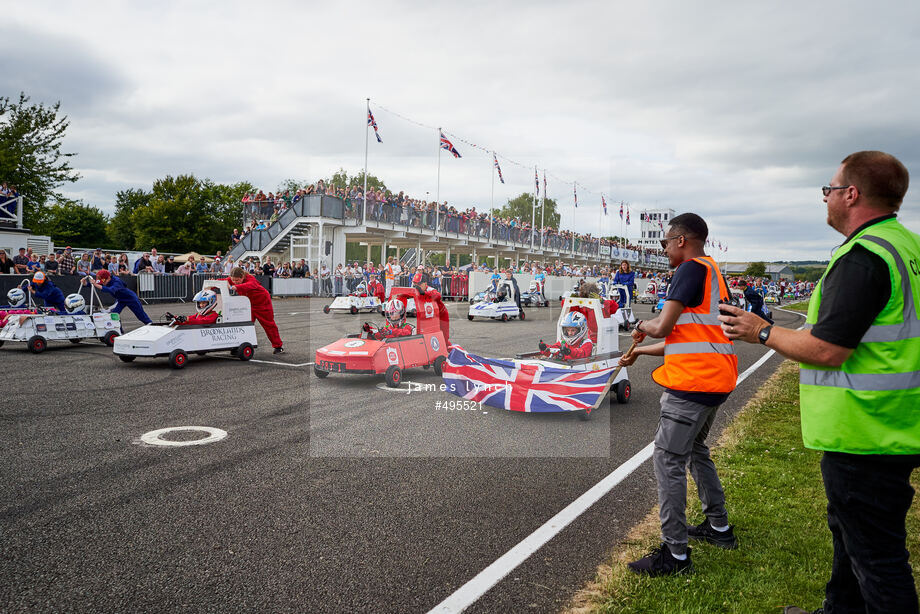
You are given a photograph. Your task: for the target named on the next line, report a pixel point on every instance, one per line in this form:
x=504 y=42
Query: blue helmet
x=574 y=327
x=209 y=298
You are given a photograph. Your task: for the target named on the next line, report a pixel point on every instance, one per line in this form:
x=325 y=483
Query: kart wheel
x=37 y=344
x=470 y=318
x=1 y=344
x=325 y=308
x=109 y=338
x=353 y=310
x=393 y=377
x=504 y=317
x=75 y=341
x=439 y=365
x=523 y=316
x=177 y=359
x=244 y=352
x=126 y=358
x=319 y=372
x=624 y=391
x=585 y=414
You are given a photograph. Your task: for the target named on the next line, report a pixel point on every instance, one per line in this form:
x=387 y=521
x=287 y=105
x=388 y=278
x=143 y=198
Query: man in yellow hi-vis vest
x=860 y=383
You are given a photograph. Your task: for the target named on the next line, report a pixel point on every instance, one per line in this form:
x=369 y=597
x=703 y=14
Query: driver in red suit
x=375 y=288
x=575 y=340
x=396 y=326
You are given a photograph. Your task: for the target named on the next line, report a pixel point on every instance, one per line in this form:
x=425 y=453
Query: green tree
x=74 y=223
x=756 y=269
x=185 y=213
x=121 y=226
x=342 y=179
x=522 y=207
x=31 y=136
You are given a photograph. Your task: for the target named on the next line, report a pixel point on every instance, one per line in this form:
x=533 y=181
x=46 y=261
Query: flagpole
x=437 y=197
x=492 y=202
x=364 y=193
x=533 y=211
x=543 y=210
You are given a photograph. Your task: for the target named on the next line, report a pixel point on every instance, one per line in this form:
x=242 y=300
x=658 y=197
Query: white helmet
x=395 y=311
x=533 y=286
x=16 y=297
x=578 y=322
x=74 y=302
x=361 y=287
x=209 y=297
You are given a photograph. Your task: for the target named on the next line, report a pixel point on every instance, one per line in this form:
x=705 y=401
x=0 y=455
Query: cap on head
x=39 y=277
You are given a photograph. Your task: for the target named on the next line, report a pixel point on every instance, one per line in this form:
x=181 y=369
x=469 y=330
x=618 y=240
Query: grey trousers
x=679 y=441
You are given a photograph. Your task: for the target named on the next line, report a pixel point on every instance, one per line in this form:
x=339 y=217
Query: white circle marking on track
x=153 y=438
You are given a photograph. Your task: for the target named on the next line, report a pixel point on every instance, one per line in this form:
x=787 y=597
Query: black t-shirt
x=687 y=285
x=853 y=293
x=268 y=269
x=6 y=265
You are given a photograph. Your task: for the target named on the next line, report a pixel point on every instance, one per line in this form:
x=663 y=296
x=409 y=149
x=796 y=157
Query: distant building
x=775 y=272
x=652 y=233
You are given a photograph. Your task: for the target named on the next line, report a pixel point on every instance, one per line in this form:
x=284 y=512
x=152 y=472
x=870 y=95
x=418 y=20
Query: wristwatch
x=638 y=324
x=764 y=334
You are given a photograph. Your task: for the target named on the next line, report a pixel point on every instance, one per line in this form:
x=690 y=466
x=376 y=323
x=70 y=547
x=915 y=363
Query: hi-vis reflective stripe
x=910 y=327
x=860 y=381
x=707 y=319
x=699 y=347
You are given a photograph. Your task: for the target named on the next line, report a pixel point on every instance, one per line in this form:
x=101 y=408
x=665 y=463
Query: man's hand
x=628 y=359
x=543 y=346
x=740 y=324
x=638 y=336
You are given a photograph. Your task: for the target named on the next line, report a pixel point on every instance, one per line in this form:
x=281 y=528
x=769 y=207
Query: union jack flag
x=575 y=191
x=544 y=183
x=621 y=210
x=660 y=225
x=536 y=182
x=498 y=168
x=373 y=123
x=627 y=215
x=445 y=144
x=513 y=386
x=604 y=203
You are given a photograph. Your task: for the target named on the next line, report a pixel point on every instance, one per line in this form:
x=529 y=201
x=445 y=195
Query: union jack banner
x=627 y=215
x=536 y=182
x=445 y=144
x=544 y=184
x=575 y=192
x=498 y=168
x=660 y=225
x=621 y=210
x=604 y=203
x=373 y=123
x=507 y=384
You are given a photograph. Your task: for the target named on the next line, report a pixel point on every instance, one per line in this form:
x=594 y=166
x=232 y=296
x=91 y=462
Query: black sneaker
x=794 y=609
x=278 y=351
x=660 y=562
x=705 y=532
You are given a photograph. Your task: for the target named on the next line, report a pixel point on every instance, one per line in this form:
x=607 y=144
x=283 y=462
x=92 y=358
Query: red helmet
x=103 y=275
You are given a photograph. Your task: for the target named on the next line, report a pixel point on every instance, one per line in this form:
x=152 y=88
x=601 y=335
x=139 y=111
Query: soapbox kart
x=503 y=310
x=602 y=329
x=44 y=325
x=650 y=296
x=234 y=331
x=533 y=297
x=362 y=354
x=353 y=304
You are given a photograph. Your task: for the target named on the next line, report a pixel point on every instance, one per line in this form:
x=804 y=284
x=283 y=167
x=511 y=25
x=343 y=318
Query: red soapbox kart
x=361 y=353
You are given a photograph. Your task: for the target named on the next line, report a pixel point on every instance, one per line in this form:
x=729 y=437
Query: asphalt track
x=326 y=496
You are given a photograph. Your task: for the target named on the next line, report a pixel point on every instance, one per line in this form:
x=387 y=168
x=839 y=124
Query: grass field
x=775 y=499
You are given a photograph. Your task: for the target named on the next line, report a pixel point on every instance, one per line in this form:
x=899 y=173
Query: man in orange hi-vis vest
x=392 y=270
x=700 y=370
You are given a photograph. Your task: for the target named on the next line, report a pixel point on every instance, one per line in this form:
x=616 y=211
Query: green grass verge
x=801 y=306
x=775 y=499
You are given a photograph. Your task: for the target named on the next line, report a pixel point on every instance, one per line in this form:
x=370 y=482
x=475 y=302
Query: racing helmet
x=395 y=311
x=502 y=292
x=39 y=277
x=16 y=296
x=205 y=302
x=574 y=327
x=74 y=302
x=361 y=287
x=533 y=286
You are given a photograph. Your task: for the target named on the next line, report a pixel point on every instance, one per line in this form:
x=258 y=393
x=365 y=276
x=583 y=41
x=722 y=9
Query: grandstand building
x=651 y=231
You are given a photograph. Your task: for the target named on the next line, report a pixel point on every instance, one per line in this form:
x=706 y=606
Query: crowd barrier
x=162 y=287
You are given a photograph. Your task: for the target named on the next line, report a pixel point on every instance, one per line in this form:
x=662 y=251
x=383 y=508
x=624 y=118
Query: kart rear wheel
x=585 y=414
x=1 y=344
x=37 y=344
x=439 y=365
x=470 y=318
x=325 y=308
x=126 y=358
x=177 y=359
x=353 y=310
x=504 y=317
x=244 y=352
x=319 y=372
x=624 y=391
x=393 y=377
x=75 y=341
x=522 y=315
x=109 y=338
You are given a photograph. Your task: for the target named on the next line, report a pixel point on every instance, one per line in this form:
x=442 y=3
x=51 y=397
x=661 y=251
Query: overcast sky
x=735 y=111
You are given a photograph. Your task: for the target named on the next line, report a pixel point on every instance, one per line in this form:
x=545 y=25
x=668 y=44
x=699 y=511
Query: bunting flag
x=536 y=183
x=604 y=203
x=498 y=168
x=627 y=215
x=445 y=144
x=373 y=123
x=621 y=209
x=660 y=225
x=516 y=386
x=575 y=192
x=544 y=184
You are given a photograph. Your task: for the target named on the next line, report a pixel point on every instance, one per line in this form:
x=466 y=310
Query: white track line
x=470 y=592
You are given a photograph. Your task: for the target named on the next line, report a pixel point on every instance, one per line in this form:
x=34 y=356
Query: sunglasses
x=826 y=190
x=664 y=242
